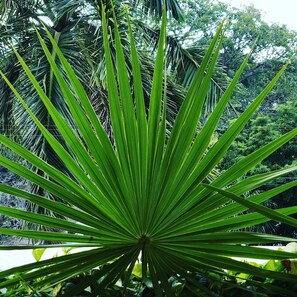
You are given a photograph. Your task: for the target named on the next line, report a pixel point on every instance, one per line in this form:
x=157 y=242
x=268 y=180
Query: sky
x=276 y=11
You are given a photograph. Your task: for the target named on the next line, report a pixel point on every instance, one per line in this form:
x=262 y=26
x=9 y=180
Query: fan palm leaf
x=142 y=194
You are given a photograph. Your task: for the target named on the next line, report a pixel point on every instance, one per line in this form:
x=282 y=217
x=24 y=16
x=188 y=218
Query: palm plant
x=144 y=195
x=74 y=25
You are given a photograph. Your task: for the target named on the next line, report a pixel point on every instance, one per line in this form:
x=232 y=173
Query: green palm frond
x=143 y=193
x=183 y=62
x=156 y=7
x=14 y=120
x=9 y=66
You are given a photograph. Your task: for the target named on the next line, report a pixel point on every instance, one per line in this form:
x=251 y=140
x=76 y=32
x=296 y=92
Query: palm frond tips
x=157 y=7
x=143 y=193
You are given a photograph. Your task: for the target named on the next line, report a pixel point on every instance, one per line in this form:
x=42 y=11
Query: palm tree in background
x=76 y=27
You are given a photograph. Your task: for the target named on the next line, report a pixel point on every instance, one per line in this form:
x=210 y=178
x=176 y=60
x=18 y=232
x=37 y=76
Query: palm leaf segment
x=143 y=195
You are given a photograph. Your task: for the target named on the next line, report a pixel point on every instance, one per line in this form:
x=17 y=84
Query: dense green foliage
x=190 y=285
x=262 y=129
x=145 y=192
x=75 y=26
x=275 y=45
x=132 y=180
